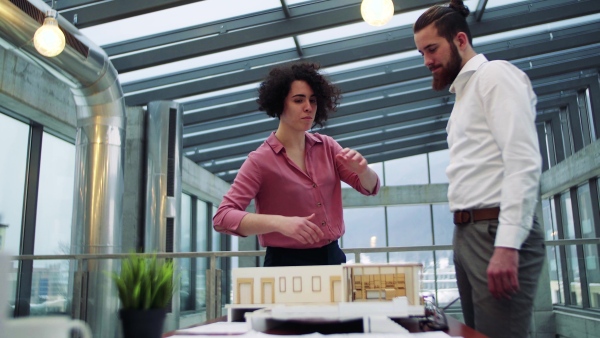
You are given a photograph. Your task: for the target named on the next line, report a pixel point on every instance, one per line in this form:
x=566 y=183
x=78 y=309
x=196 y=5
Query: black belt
x=473 y=215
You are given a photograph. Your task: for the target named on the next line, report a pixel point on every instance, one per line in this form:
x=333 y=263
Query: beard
x=448 y=73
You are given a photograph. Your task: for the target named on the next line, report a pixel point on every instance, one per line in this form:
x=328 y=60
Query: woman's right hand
x=302 y=229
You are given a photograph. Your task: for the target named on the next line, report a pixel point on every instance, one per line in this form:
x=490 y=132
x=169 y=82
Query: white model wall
x=299 y=284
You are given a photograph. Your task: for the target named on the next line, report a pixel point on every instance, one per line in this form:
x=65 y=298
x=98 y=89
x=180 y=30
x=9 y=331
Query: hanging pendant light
x=377 y=12
x=49 y=40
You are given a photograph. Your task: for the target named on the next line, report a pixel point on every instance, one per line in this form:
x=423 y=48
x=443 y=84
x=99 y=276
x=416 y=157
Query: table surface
x=455 y=328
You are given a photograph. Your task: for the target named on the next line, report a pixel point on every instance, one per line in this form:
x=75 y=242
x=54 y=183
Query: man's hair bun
x=460 y=7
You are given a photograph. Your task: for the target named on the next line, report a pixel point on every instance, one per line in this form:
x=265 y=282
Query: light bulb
x=377 y=12
x=49 y=40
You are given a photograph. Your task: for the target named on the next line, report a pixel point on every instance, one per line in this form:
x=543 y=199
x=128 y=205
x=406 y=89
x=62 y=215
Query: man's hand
x=352 y=160
x=301 y=229
x=503 y=272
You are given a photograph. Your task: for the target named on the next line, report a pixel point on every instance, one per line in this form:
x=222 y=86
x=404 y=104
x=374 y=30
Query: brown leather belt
x=462 y=217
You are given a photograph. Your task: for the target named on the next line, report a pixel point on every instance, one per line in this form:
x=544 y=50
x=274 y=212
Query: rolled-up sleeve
x=350 y=177
x=232 y=209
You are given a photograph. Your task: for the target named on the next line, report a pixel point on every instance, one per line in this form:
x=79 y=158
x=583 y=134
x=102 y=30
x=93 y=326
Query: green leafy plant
x=145 y=282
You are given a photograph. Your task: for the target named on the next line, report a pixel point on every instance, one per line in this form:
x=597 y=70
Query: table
x=455 y=328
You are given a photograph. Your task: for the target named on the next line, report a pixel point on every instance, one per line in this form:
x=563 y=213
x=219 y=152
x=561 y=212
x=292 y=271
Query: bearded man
x=493 y=175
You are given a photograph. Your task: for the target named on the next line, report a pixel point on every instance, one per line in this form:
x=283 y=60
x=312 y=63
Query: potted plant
x=145 y=287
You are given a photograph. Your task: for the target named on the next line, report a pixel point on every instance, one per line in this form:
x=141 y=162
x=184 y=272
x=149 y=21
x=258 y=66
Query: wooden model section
x=383 y=282
x=326 y=284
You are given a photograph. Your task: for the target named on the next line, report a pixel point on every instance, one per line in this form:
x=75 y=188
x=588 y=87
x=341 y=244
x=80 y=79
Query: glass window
x=216 y=240
x=234 y=265
x=553 y=252
x=548 y=219
x=409 y=225
x=567 y=216
x=590 y=251
x=55 y=197
x=186 y=301
x=571 y=250
x=365 y=228
x=556 y=276
x=14 y=138
x=49 y=289
x=173 y=18
x=438 y=162
x=585 y=117
x=407 y=171
x=201 y=246
x=13 y=156
x=567 y=137
x=585 y=211
x=447 y=290
x=443 y=224
x=234 y=248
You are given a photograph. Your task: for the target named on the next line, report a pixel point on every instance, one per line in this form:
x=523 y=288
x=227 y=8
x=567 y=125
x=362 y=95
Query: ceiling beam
x=480 y=9
x=296 y=25
x=386 y=73
x=542 y=89
x=380 y=48
x=222 y=26
x=409 y=132
x=363 y=139
x=518 y=49
x=106 y=11
x=520 y=52
x=342 y=111
x=65 y=4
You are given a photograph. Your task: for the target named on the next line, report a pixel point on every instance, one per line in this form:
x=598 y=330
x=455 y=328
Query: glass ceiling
x=210 y=56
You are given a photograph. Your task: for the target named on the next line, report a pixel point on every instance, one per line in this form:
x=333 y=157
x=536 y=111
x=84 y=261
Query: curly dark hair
x=449 y=19
x=275 y=88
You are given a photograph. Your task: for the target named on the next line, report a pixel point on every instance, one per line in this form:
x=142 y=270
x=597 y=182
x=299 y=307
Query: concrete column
x=134 y=192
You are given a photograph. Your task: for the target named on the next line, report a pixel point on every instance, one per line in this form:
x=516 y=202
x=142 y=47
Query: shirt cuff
x=375 y=189
x=511 y=236
x=231 y=222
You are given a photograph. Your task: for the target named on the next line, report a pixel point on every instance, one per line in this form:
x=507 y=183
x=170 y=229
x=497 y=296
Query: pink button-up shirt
x=279 y=187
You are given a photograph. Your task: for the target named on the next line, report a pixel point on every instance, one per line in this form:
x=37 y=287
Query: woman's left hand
x=352 y=160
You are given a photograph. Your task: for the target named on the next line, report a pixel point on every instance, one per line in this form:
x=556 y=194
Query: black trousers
x=330 y=254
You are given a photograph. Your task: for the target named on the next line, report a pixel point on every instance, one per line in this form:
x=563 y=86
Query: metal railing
x=213 y=280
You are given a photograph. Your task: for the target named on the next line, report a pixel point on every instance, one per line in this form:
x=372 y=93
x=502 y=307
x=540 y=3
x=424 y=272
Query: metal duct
x=100 y=148
x=163 y=187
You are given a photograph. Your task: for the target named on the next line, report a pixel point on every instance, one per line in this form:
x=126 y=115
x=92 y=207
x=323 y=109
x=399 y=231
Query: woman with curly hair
x=295 y=176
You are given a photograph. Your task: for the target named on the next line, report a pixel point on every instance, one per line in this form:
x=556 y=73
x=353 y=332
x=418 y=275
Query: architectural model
x=339 y=292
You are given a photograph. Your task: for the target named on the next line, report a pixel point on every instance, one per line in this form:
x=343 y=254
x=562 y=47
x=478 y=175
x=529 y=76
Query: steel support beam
x=480 y=9
x=401 y=41
x=261 y=33
x=106 y=11
x=521 y=52
x=543 y=89
x=425 y=128
x=542 y=46
x=408 y=132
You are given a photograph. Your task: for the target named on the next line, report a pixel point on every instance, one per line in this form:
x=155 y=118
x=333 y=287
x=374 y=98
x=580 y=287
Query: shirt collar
x=466 y=72
x=276 y=145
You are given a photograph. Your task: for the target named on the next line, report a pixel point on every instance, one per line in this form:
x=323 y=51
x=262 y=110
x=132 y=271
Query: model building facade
x=326 y=284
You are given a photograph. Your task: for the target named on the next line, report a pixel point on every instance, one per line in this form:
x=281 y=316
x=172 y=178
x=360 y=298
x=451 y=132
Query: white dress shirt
x=494 y=153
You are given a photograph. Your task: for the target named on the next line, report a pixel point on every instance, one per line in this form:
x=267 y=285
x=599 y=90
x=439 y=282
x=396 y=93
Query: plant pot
x=142 y=323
